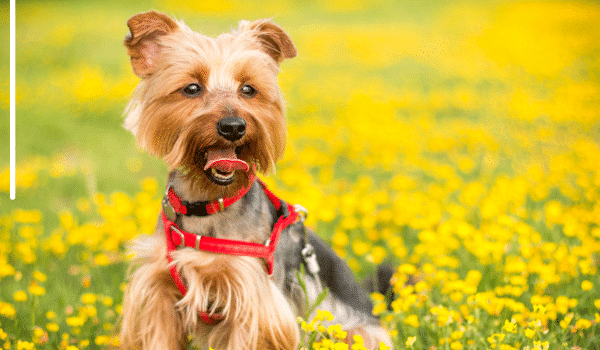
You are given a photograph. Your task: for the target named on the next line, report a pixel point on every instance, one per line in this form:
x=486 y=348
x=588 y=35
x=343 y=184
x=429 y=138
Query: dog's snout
x=231 y=128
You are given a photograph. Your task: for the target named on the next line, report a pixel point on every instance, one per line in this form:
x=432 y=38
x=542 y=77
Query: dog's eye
x=248 y=90
x=192 y=90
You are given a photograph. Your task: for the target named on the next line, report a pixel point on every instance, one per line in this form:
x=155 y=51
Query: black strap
x=196 y=208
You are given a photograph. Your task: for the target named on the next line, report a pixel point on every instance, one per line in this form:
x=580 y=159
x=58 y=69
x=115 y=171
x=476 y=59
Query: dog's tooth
x=222 y=176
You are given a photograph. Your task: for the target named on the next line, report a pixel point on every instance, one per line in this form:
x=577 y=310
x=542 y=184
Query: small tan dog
x=220 y=269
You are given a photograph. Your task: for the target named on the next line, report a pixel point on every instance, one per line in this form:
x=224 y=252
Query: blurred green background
x=467 y=60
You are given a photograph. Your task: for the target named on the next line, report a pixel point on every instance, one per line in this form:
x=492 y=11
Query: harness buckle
x=310 y=259
x=221 y=204
x=182 y=244
x=198 y=241
x=302 y=212
x=168 y=208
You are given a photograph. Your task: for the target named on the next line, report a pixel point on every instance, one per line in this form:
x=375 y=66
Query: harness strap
x=177 y=237
x=204 y=208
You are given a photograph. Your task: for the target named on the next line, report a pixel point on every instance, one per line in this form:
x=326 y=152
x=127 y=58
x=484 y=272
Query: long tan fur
x=257 y=315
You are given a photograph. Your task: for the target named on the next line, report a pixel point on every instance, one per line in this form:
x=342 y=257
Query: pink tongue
x=224 y=160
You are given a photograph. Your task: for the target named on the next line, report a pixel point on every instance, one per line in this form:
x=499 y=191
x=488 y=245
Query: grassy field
x=459 y=142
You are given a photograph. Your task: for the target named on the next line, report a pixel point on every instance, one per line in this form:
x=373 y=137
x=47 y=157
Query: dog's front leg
x=150 y=318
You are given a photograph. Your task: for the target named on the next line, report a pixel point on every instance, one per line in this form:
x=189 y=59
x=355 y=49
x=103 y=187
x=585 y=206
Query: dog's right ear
x=142 y=46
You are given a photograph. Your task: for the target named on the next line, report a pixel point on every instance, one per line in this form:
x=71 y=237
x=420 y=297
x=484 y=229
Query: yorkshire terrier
x=220 y=270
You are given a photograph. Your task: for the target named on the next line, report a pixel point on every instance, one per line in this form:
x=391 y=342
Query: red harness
x=177 y=237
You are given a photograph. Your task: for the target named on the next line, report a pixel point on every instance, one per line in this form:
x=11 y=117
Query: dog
x=221 y=269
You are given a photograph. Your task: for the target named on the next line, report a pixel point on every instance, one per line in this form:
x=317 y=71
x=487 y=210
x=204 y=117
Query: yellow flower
x=377 y=297
x=101 y=340
x=358 y=343
x=410 y=341
x=101 y=259
x=107 y=301
x=456 y=346
x=307 y=327
x=25 y=345
x=582 y=323
x=39 y=276
x=541 y=309
x=52 y=327
x=456 y=335
x=587 y=285
x=323 y=315
x=565 y=322
x=20 y=295
x=510 y=327
x=529 y=333
x=35 y=289
x=88 y=298
x=3 y=334
x=337 y=332
x=412 y=320
x=382 y=346
x=379 y=308
x=149 y=184
x=7 y=310
x=495 y=338
x=421 y=286
x=75 y=321
x=38 y=332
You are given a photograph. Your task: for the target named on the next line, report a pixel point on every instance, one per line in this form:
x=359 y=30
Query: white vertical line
x=12 y=97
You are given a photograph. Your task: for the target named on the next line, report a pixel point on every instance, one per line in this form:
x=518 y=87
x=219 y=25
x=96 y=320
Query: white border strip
x=12 y=97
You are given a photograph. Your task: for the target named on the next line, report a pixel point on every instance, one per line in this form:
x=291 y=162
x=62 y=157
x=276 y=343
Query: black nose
x=231 y=128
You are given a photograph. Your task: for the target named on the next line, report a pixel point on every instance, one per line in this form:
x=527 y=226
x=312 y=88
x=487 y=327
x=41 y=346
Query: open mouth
x=221 y=165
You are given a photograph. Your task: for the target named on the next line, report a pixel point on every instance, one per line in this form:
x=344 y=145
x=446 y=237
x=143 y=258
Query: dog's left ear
x=273 y=39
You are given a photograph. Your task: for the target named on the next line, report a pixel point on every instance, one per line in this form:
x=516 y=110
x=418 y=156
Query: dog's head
x=210 y=107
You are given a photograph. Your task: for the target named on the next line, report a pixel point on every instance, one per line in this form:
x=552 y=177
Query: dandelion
x=456 y=335
x=88 y=298
x=39 y=276
x=582 y=323
x=7 y=310
x=20 y=296
x=456 y=345
x=101 y=340
x=587 y=285
x=107 y=301
x=75 y=321
x=379 y=308
x=25 y=345
x=36 y=290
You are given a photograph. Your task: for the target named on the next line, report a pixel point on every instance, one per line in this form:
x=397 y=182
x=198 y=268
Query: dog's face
x=210 y=107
